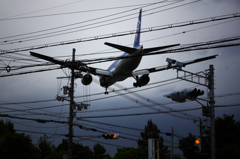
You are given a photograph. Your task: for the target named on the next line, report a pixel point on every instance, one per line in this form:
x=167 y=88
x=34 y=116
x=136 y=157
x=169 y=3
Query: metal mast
x=212 y=102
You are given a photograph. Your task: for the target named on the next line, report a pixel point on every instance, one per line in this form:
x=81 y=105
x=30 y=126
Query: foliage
x=152 y=131
x=79 y=151
x=186 y=146
x=132 y=153
x=14 y=145
x=227 y=140
x=46 y=147
x=6 y=127
x=99 y=151
x=227 y=132
x=177 y=156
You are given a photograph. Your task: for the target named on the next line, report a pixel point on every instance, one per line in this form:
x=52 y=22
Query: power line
x=137 y=114
x=153 y=102
x=229 y=105
x=100 y=60
x=162 y=112
x=77 y=12
x=114 y=125
x=40 y=133
x=110 y=130
x=12 y=41
x=43 y=9
x=40 y=127
x=157 y=28
x=119 y=51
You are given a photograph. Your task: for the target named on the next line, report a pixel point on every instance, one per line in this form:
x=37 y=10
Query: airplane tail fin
x=137 y=36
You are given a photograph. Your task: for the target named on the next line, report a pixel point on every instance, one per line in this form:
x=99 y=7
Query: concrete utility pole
x=212 y=102
x=71 y=93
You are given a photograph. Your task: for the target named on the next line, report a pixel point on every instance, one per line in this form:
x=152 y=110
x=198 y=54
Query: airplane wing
x=47 y=58
x=79 y=66
x=166 y=67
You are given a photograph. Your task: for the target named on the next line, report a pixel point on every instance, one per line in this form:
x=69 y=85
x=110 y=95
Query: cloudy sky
x=27 y=24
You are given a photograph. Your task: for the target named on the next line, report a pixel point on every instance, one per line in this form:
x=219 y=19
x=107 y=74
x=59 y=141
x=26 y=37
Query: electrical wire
x=8 y=41
x=138 y=114
x=157 y=28
x=43 y=9
x=100 y=60
x=163 y=112
x=77 y=12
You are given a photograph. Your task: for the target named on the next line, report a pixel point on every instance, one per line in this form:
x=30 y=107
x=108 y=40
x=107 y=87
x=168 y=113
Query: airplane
x=124 y=68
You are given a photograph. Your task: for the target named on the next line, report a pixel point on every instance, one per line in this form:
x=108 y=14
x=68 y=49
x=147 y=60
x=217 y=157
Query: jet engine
x=142 y=81
x=87 y=79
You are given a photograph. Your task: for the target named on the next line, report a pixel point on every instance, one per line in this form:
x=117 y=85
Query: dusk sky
x=28 y=24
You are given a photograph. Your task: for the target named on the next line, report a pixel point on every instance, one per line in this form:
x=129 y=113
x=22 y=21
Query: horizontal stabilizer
x=47 y=58
x=158 y=48
x=126 y=49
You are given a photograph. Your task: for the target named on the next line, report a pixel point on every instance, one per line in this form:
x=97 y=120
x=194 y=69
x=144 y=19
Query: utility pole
x=70 y=135
x=172 y=142
x=212 y=102
x=200 y=126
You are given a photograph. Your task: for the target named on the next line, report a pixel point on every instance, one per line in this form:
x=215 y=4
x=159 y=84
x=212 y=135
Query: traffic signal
x=197 y=145
x=110 y=136
x=176 y=96
x=181 y=96
x=192 y=94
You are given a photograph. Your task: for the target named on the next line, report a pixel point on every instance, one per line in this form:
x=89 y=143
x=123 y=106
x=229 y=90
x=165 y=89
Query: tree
x=152 y=131
x=99 y=151
x=79 y=151
x=186 y=145
x=132 y=153
x=46 y=147
x=6 y=127
x=227 y=140
x=15 y=145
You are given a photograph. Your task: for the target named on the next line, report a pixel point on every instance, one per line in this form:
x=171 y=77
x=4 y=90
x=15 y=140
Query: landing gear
x=106 y=92
x=136 y=84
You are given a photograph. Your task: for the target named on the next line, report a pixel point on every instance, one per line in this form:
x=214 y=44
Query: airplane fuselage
x=123 y=68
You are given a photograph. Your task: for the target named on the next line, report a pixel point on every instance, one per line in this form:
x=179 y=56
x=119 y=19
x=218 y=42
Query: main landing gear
x=106 y=92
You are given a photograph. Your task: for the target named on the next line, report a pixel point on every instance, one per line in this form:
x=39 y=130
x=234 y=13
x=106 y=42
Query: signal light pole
x=192 y=95
x=212 y=102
